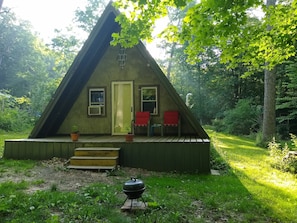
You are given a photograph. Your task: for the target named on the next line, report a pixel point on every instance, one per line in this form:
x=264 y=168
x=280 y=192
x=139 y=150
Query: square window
x=149 y=99
x=96 y=101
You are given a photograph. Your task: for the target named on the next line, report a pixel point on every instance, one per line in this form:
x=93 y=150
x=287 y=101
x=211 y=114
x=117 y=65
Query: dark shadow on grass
x=207 y=198
x=240 y=149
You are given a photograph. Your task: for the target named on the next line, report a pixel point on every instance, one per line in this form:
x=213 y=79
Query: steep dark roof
x=81 y=70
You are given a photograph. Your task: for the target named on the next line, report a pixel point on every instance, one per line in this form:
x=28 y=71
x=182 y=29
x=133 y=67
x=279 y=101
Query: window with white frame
x=149 y=99
x=96 y=102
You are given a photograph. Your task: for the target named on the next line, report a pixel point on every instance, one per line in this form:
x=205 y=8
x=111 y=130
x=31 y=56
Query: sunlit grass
x=251 y=164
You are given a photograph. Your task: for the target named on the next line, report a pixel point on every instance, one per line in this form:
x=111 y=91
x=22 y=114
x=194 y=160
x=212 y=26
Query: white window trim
x=156 y=110
x=96 y=108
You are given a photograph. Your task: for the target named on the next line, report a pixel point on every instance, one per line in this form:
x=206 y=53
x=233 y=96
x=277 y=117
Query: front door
x=122 y=107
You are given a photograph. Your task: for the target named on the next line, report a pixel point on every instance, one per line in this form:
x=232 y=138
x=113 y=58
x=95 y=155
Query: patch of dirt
x=54 y=173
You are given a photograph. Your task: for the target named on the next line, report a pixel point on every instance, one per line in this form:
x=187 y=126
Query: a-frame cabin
x=102 y=91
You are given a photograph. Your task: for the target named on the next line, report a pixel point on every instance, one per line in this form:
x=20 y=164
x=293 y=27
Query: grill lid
x=133 y=185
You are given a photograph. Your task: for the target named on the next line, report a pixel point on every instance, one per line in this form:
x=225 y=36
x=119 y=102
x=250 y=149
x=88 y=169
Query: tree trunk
x=269 y=117
x=172 y=51
x=1 y=2
x=269 y=105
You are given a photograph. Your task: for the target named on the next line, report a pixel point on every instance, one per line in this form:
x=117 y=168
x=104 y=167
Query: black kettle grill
x=134 y=189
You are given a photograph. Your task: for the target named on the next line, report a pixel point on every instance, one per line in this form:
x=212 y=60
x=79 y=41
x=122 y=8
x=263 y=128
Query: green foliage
x=41 y=95
x=217 y=162
x=74 y=129
x=277 y=153
x=14 y=114
x=242 y=119
x=24 y=60
x=86 y=18
x=62 y=51
x=214 y=87
x=286 y=103
x=16 y=44
x=229 y=26
x=138 y=20
x=28 y=70
x=281 y=158
x=259 y=139
x=206 y=81
x=281 y=41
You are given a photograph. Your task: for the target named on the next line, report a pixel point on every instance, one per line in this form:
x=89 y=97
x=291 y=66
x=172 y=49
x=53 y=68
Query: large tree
x=226 y=24
x=269 y=118
x=87 y=17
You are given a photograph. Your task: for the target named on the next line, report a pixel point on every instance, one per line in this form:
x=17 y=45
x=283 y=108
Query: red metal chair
x=171 y=119
x=142 y=119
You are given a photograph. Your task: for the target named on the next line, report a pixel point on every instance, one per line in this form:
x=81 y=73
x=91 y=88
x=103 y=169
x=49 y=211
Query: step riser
x=93 y=162
x=96 y=153
x=92 y=167
x=92 y=158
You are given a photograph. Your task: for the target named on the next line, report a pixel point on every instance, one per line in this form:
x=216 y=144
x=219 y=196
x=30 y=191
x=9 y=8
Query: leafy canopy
x=226 y=24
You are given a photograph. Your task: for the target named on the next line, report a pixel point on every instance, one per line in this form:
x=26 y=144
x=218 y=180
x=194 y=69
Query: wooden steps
x=95 y=158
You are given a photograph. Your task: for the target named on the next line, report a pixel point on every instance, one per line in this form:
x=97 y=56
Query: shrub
x=240 y=120
x=217 y=162
x=5 y=121
x=281 y=159
x=14 y=115
x=14 y=119
x=218 y=125
x=259 y=140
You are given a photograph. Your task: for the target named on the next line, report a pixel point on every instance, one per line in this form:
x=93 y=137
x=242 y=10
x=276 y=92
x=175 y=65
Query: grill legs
x=138 y=204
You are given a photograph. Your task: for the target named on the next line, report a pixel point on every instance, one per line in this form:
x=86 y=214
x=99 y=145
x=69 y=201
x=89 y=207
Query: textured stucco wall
x=138 y=70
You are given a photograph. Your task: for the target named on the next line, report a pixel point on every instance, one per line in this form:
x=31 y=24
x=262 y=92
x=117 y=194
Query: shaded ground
x=54 y=173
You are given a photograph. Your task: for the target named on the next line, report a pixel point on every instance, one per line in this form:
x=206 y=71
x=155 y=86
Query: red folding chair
x=142 y=119
x=171 y=119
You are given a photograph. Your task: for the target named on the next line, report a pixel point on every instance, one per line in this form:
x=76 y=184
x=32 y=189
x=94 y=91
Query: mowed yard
x=275 y=190
x=248 y=189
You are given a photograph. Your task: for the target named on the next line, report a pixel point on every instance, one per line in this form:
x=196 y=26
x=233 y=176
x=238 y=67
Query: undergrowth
x=281 y=157
x=217 y=162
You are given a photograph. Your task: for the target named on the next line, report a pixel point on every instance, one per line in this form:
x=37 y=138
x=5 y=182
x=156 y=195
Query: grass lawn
x=275 y=190
x=248 y=191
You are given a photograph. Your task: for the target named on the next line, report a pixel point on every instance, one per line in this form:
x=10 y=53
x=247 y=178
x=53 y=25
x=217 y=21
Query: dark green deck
x=183 y=154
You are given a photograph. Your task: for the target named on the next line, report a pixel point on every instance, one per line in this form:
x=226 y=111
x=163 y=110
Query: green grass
x=274 y=189
x=248 y=190
x=18 y=166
